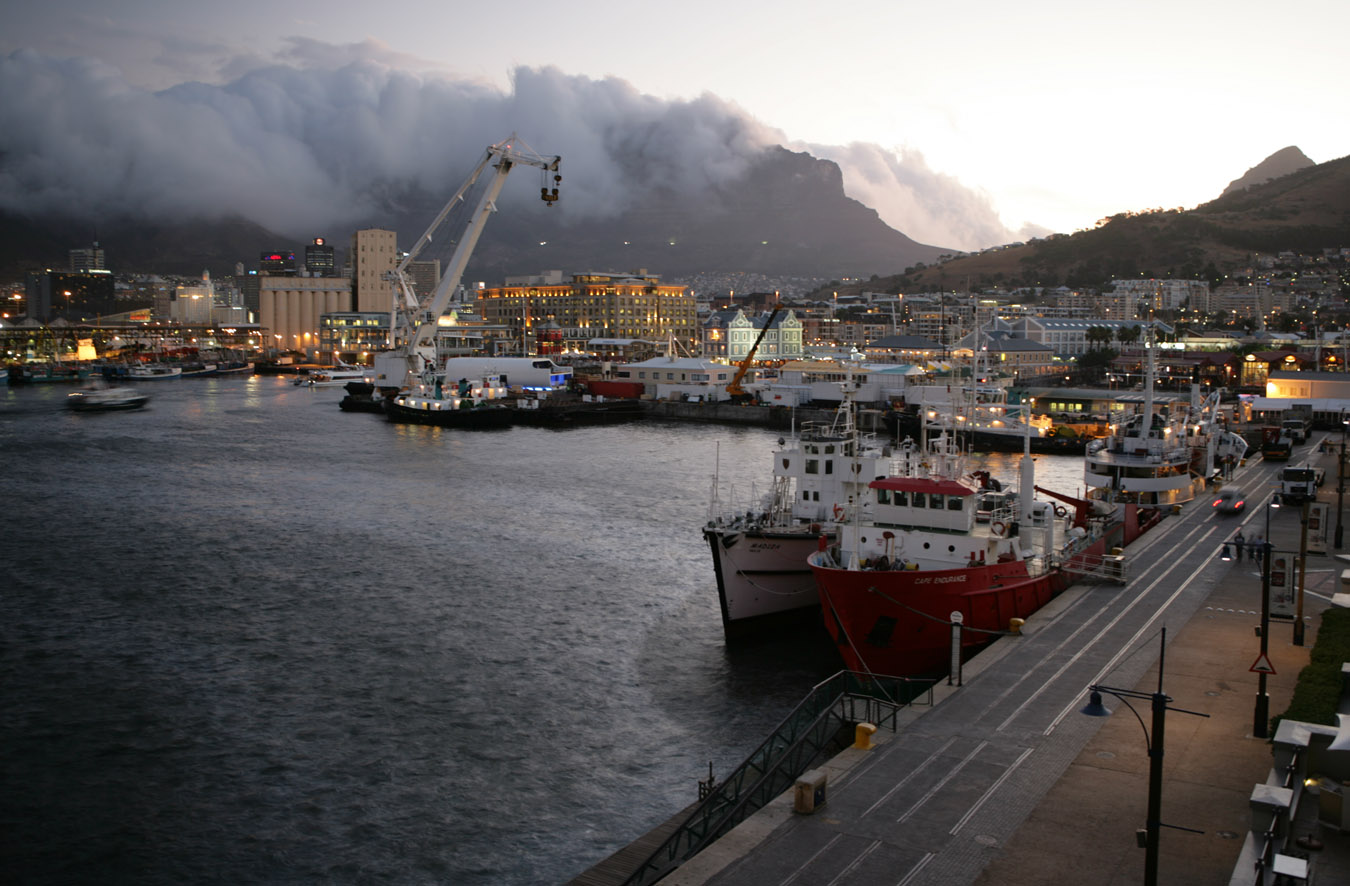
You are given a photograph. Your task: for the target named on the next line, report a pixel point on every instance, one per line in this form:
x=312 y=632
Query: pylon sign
x=1262 y=665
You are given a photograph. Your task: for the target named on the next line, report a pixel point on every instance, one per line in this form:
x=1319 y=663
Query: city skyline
x=1008 y=123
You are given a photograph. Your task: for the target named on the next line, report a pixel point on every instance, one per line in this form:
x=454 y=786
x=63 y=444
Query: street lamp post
x=1261 y=716
x=1154 y=744
x=1340 y=485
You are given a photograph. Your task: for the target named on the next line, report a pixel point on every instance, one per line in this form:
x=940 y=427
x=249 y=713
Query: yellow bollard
x=862 y=736
x=1015 y=625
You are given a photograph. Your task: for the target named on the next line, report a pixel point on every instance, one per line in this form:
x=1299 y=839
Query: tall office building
x=90 y=259
x=374 y=254
x=319 y=259
x=280 y=263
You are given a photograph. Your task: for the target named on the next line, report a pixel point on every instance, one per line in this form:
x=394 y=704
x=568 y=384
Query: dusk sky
x=964 y=125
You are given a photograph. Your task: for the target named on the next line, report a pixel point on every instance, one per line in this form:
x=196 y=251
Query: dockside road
x=1004 y=781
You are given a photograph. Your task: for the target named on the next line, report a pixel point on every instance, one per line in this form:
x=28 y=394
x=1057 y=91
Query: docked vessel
x=473 y=405
x=334 y=376
x=1161 y=454
x=980 y=417
x=759 y=552
x=99 y=396
x=153 y=372
x=915 y=559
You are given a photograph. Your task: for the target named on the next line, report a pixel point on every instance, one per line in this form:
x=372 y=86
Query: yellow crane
x=734 y=389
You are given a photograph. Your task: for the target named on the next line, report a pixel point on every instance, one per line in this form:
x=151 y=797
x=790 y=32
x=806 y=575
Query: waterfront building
x=88 y=295
x=729 y=335
x=374 y=254
x=192 y=304
x=352 y=336
x=592 y=305
x=679 y=377
x=291 y=308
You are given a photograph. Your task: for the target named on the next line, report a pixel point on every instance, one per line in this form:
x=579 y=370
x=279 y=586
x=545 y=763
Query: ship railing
x=820 y=726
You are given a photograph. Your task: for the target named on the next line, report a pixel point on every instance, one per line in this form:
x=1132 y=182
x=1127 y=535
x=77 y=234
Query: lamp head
x=1094 y=707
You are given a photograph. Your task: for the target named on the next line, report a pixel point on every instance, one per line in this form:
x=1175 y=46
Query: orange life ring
x=839 y=513
x=1060 y=510
x=997 y=527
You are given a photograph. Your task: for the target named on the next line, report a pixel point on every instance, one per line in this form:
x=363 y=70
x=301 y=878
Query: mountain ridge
x=787 y=215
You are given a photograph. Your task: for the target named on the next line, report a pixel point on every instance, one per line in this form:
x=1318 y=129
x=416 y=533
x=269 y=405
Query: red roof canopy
x=920 y=484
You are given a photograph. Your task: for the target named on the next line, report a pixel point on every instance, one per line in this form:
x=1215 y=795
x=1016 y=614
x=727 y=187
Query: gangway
x=820 y=726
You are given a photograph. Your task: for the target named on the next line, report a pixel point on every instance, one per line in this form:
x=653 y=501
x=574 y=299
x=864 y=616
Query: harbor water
x=248 y=638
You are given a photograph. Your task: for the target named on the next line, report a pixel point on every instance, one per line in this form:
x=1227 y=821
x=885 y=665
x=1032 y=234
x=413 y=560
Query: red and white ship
x=916 y=554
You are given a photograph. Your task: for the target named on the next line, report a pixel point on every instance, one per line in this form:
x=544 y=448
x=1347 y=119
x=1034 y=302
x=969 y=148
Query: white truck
x=1298 y=483
x=1298 y=429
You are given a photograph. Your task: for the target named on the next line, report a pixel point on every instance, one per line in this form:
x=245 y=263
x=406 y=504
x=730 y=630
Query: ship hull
x=897 y=623
x=763 y=580
x=482 y=418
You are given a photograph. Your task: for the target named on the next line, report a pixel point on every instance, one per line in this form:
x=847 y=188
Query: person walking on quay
x=1237 y=544
x=1254 y=547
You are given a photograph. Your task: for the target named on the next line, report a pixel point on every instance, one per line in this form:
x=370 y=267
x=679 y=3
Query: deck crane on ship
x=413 y=318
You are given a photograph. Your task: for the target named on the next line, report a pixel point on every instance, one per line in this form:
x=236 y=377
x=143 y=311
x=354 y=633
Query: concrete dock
x=1004 y=781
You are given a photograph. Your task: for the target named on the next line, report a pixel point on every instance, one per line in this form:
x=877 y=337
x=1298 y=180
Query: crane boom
x=413 y=319
x=734 y=388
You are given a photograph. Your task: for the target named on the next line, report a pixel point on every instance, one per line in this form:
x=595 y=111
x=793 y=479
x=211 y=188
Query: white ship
x=760 y=551
x=1162 y=454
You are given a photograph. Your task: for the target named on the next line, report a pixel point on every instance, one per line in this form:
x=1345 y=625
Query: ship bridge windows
x=813 y=466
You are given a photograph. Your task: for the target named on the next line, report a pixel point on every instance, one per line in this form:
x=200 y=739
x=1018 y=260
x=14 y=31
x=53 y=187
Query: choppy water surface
x=249 y=638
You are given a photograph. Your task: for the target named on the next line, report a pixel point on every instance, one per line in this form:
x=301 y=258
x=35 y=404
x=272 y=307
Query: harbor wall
x=783 y=417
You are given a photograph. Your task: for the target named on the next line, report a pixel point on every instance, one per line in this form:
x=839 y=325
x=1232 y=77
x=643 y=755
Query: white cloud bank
x=318 y=146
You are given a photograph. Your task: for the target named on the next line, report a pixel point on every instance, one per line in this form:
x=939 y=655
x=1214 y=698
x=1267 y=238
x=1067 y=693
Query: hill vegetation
x=1305 y=211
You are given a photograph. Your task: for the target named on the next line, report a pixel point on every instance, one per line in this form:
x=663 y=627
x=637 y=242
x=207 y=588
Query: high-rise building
x=374 y=254
x=90 y=259
x=319 y=259
x=280 y=263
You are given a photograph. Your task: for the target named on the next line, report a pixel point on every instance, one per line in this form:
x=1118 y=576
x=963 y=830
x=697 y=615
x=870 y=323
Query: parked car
x=1230 y=501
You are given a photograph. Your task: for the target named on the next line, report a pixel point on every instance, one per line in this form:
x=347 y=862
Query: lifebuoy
x=997 y=527
x=1060 y=510
x=838 y=513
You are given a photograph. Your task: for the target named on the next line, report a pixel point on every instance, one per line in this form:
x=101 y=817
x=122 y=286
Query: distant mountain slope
x=788 y=215
x=1280 y=163
x=1306 y=211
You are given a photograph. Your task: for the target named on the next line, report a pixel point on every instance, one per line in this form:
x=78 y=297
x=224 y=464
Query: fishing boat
x=759 y=551
x=153 y=372
x=99 y=396
x=913 y=560
x=468 y=404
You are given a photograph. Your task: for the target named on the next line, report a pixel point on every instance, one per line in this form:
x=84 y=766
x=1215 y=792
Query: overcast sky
x=962 y=123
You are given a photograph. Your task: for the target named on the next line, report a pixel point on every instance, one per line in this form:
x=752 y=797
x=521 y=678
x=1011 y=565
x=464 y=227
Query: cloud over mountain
x=340 y=135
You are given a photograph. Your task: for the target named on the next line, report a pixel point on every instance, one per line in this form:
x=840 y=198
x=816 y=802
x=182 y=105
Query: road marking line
x=989 y=793
x=942 y=782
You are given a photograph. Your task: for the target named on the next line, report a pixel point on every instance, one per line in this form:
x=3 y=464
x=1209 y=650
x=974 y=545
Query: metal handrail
x=808 y=730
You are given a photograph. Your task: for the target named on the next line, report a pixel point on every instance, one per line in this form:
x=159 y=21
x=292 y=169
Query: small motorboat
x=99 y=396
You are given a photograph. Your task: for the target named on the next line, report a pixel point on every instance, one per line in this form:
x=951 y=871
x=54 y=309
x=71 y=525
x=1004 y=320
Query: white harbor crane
x=413 y=319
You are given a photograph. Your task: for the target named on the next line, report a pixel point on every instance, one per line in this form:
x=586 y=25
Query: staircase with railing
x=820 y=726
